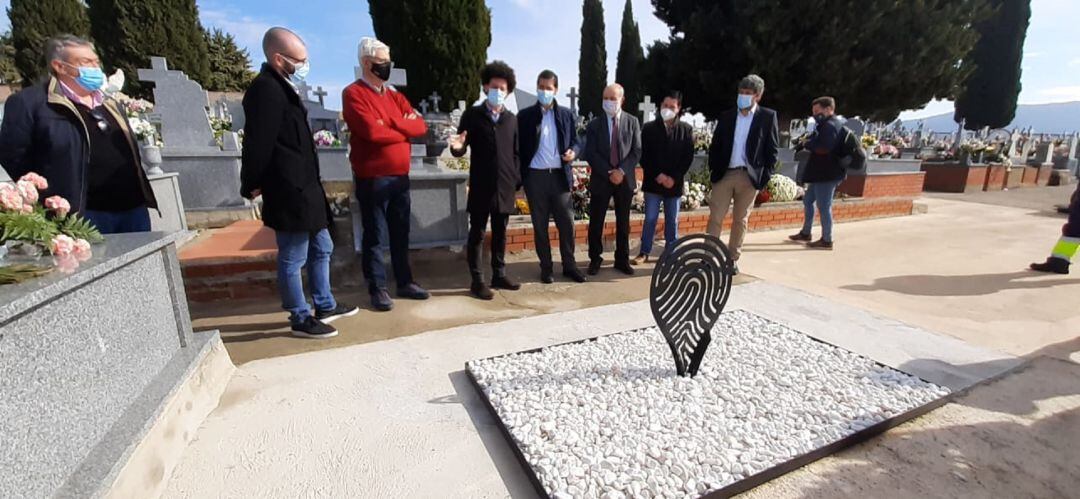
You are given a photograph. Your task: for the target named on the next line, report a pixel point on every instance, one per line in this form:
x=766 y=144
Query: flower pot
x=151 y=158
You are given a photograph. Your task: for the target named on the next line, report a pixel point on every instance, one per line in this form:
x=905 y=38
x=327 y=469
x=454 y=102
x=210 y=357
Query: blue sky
x=535 y=34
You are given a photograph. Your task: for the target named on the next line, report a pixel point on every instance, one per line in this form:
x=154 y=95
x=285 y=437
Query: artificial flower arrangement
x=326 y=138
x=30 y=226
x=694 y=196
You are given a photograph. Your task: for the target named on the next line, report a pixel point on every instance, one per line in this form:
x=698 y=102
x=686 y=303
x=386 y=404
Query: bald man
x=281 y=165
x=613 y=149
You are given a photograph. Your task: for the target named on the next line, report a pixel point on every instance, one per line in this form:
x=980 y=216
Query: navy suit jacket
x=529 y=121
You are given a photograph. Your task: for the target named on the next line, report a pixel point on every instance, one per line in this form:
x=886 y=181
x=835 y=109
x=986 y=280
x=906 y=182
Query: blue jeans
x=119 y=222
x=820 y=193
x=652 y=213
x=297 y=250
x=385 y=210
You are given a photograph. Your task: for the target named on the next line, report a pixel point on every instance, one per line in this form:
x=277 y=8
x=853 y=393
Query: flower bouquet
x=29 y=229
x=782 y=189
x=325 y=138
x=580 y=193
x=694 y=196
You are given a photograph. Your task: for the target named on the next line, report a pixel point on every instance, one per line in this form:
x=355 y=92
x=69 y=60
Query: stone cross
x=304 y=89
x=435 y=98
x=1014 y=139
x=321 y=94
x=181 y=105
x=462 y=105
x=573 y=95
x=647 y=108
x=423 y=107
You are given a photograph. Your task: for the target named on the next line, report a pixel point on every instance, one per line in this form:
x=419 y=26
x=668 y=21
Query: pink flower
x=28 y=191
x=62 y=245
x=82 y=250
x=10 y=199
x=58 y=205
x=26 y=209
x=66 y=263
x=35 y=179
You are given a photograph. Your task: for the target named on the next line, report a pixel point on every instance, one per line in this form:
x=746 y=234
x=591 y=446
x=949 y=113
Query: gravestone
x=319 y=118
x=424 y=107
x=181 y=104
x=857 y=126
x=647 y=108
x=1044 y=153
x=1014 y=142
x=1025 y=151
x=573 y=95
x=434 y=98
x=321 y=94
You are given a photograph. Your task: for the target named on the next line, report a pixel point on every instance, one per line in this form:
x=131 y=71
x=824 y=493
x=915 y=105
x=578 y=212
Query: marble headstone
x=857 y=126
x=181 y=105
x=647 y=108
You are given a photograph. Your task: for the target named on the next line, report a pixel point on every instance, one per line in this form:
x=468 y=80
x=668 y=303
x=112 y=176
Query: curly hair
x=499 y=69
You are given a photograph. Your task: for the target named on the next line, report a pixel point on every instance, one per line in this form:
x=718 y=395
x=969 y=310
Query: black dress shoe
x=481 y=291
x=546 y=277
x=503 y=282
x=574 y=275
x=1052 y=265
x=413 y=291
x=625 y=268
x=380 y=300
x=594 y=267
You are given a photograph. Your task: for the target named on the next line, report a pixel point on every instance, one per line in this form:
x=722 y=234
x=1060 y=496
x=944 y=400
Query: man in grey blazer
x=613 y=149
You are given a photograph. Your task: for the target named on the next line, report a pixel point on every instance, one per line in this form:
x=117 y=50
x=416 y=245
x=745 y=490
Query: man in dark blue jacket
x=548 y=146
x=67 y=130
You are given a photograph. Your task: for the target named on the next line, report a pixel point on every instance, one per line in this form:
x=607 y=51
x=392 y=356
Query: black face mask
x=820 y=117
x=382 y=70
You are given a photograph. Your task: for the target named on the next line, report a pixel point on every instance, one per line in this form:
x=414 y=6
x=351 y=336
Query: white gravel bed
x=610 y=418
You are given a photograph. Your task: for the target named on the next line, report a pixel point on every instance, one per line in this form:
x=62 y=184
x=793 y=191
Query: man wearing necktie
x=612 y=149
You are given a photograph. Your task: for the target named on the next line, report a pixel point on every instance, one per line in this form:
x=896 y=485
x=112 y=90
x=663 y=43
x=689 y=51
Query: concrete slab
x=398 y=418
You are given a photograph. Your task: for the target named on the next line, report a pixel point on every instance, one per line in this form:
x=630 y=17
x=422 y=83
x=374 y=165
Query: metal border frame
x=761 y=477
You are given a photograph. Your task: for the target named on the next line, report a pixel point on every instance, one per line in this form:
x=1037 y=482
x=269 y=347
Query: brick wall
x=951 y=177
x=884 y=185
x=769 y=216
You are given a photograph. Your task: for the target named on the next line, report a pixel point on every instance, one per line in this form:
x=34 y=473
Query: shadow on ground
x=963 y=285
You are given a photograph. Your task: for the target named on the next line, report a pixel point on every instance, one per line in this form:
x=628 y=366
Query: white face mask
x=611 y=107
x=667 y=114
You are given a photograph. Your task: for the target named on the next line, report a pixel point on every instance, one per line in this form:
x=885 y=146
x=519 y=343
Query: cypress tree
x=230 y=66
x=631 y=57
x=9 y=74
x=877 y=57
x=441 y=43
x=35 y=21
x=129 y=32
x=988 y=96
x=592 y=66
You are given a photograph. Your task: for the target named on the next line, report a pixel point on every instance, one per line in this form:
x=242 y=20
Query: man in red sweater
x=381 y=121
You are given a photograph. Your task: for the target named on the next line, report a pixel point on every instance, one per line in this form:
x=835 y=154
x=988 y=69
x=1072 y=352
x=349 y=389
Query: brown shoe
x=800 y=237
x=820 y=244
x=640 y=259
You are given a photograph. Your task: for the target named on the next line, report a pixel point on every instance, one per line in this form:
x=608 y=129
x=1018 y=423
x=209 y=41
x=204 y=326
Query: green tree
x=129 y=32
x=35 y=21
x=988 y=96
x=877 y=57
x=631 y=57
x=9 y=74
x=441 y=43
x=230 y=66
x=592 y=66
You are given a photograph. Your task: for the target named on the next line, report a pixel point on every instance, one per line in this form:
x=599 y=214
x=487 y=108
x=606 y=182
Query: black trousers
x=478 y=220
x=385 y=212
x=549 y=196
x=602 y=192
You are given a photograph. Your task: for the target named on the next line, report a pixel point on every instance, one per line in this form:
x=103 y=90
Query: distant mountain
x=1058 y=117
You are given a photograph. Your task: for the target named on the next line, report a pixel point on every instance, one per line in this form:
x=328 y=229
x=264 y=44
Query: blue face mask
x=746 y=101
x=90 y=78
x=495 y=97
x=545 y=97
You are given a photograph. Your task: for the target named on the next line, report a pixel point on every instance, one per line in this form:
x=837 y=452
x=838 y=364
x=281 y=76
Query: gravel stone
x=612 y=417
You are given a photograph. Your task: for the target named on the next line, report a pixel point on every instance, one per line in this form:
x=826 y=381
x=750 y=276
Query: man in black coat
x=741 y=159
x=613 y=149
x=281 y=164
x=491 y=131
x=548 y=146
x=69 y=131
x=667 y=150
x=823 y=173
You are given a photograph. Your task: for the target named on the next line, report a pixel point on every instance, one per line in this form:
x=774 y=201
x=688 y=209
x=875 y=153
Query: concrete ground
x=354 y=421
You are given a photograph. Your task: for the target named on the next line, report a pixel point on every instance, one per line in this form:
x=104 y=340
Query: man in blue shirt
x=548 y=146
